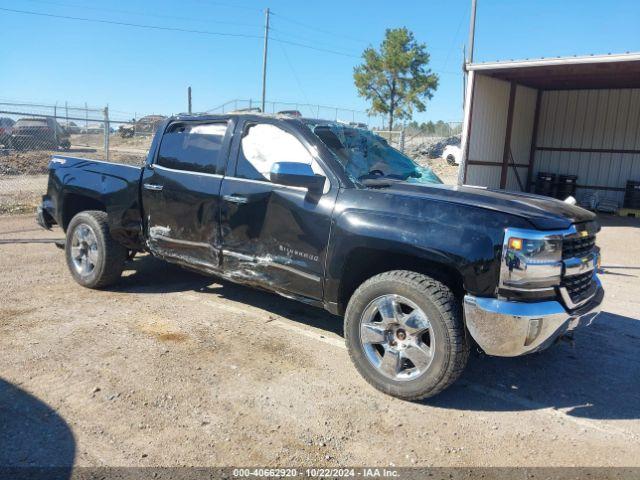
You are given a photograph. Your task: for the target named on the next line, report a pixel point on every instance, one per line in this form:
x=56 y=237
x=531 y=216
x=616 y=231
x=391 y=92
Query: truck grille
x=577 y=247
x=579 y=287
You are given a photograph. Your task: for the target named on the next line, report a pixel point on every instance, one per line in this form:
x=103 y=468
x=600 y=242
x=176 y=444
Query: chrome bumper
x=509 y=329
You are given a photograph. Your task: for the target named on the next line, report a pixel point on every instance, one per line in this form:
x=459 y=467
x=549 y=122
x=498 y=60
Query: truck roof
x=241 y=114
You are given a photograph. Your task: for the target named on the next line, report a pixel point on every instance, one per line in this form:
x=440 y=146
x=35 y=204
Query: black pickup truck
x=331 y=215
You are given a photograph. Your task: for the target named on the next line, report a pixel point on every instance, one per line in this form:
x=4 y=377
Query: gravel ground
x=171 y=368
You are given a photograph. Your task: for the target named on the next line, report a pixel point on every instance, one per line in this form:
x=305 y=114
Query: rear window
x=194 y=148
x=32 y=122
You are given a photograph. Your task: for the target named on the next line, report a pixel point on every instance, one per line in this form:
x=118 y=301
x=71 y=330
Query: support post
x=106 y=133
x=507 y=135
x=472 y=29
x=534 y=141
x=189 y=100
x=264 y=58
x=466 y=129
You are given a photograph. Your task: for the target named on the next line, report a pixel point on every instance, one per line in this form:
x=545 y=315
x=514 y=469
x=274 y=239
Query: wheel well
x=74 y=204
x=364 y=263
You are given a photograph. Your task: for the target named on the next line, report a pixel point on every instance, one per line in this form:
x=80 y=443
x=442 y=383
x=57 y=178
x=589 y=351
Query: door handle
x=235 y=199
x=151 y=186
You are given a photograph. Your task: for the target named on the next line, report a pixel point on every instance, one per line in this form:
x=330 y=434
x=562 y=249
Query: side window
x=192 y=147
x=264 y=144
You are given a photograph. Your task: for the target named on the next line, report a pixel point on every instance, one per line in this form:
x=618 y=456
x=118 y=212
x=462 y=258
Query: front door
x=181 y=193
x=274 y=235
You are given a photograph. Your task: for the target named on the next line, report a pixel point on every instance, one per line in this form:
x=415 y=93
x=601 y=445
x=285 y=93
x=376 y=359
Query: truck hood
x=543 y=212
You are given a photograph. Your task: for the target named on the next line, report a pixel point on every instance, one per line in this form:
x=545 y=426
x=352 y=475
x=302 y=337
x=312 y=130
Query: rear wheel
x=94 y=258
x=405 y=334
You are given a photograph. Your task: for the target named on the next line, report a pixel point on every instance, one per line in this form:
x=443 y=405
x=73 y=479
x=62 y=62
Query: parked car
x=330 y=215
x=127 y=130
x=95 y=128
x=6 y=126
x=71 y=128
x=39 y=133
x=149 y=124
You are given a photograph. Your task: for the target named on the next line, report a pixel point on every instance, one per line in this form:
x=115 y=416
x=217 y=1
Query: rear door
x=274 y=235
x=181 y=193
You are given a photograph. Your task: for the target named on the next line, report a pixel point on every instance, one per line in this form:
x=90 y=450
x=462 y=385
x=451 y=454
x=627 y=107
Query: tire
x=94 y=258
x=419 y=297
x=451 y=160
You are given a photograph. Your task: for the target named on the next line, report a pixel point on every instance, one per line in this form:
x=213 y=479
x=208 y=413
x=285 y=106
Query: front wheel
x=94 y=258
x=405 y=334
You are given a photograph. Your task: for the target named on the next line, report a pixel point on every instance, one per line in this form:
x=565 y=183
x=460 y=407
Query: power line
x=311 y=27
x=295 y=75
x=175 y=29
x=311 y=47
x=127 y=24
x=186 y=30
x=296 y=37
x=146 y=14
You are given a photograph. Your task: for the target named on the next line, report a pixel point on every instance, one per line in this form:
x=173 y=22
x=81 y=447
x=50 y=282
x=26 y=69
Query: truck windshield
x=366 y=156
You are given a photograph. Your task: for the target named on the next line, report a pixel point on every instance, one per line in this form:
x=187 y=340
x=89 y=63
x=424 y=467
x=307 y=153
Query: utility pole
x=264 y=59
x=189 y=100
x=472 y=30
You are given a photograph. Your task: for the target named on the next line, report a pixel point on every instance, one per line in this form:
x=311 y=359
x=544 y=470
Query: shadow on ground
x=598 y=376
x=32 y=434
x=146 y=274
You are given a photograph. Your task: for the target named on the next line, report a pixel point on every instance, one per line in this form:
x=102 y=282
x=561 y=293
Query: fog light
x=535 y=325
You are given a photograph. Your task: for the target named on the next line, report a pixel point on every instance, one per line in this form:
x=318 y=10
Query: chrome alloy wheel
x=396 y=337
x=84 y=249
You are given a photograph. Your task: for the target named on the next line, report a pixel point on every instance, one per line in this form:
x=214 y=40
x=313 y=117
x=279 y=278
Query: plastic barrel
x=545 y=184
x=566 y=186
x=632 y=195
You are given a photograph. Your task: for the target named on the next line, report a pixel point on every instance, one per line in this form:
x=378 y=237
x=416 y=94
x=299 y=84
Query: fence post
x=402 y=140
x=106 y=133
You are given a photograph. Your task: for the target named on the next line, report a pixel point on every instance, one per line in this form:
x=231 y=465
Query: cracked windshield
x=368 y=158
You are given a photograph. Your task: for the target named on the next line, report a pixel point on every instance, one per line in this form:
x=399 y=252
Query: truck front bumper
x=509 y=329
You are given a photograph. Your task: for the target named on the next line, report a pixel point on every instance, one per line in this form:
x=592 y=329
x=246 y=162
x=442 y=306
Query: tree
x=396 y=79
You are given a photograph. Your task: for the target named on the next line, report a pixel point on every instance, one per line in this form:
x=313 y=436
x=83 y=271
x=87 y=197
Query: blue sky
x=45 y=59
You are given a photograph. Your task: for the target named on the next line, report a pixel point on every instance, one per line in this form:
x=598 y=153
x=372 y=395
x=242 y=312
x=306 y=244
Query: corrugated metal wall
x=591 y=119
x=488 y=129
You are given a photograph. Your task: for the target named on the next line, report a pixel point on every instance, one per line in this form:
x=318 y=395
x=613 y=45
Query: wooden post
x=507 y=135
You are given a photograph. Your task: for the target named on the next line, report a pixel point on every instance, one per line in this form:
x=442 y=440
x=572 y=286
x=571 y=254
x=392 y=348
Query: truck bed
x=79 y=183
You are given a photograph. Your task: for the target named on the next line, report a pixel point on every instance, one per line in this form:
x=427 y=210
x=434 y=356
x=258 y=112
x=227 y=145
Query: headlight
x=531 y=261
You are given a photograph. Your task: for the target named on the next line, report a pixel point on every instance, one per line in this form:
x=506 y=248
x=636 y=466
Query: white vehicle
x=452 y=154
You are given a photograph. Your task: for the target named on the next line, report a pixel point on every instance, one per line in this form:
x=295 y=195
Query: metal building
x=565 y=116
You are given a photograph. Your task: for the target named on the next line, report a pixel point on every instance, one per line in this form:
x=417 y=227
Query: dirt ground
x=171 y=368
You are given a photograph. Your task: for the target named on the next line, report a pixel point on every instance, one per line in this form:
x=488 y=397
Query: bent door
x=274 y=235
x=181 y=194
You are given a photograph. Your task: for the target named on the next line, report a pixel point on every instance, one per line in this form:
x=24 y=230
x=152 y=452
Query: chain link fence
x=31 y=133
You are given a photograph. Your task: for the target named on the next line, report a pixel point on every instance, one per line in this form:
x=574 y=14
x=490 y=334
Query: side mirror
x=296 y=174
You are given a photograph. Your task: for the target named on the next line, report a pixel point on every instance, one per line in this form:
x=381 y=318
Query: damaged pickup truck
x=332 y=216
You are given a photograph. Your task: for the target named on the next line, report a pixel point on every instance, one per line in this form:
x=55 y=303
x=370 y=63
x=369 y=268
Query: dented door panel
x=278 y=238
x=182 y=218
x=181 y=206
